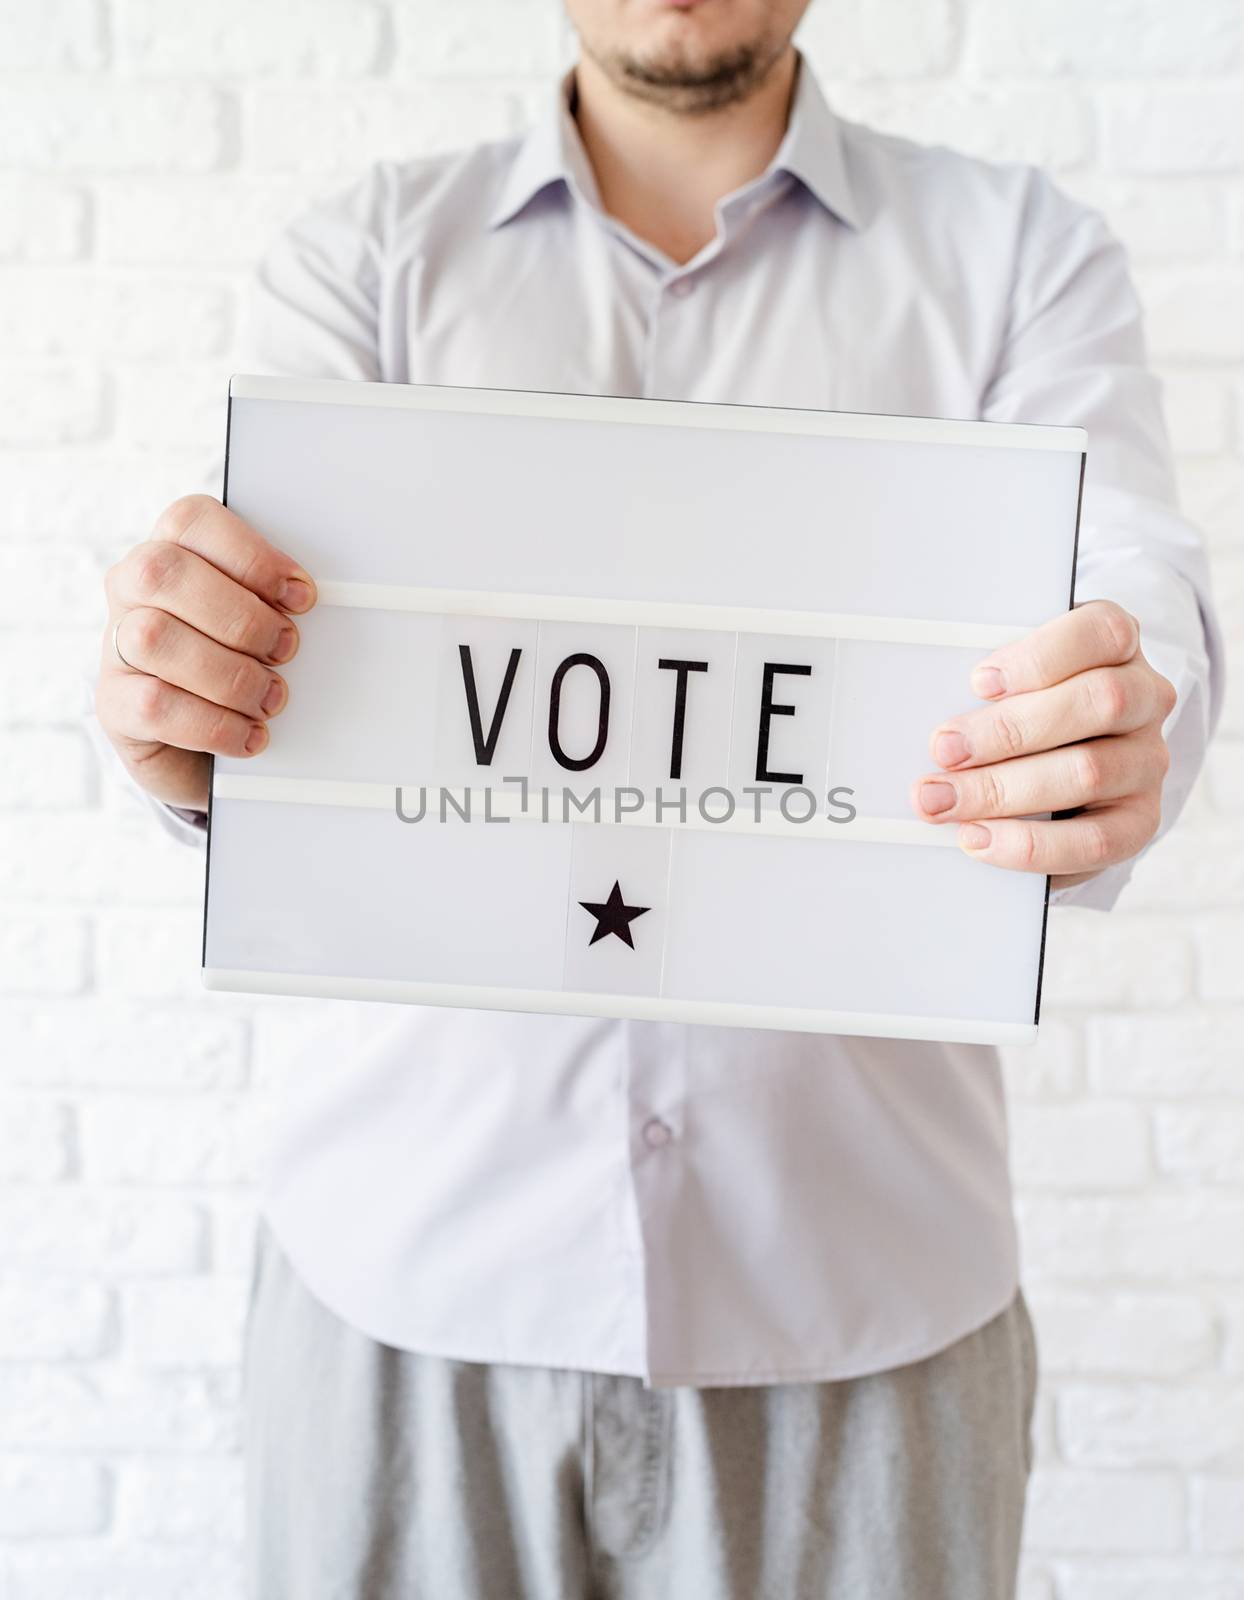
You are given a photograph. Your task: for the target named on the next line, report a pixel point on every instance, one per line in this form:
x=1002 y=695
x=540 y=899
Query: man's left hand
x=1074 y=723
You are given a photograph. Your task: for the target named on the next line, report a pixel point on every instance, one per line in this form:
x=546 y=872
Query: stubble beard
x=694 y=87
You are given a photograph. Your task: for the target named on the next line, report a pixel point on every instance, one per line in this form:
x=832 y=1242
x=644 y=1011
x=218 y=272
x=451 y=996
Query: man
x=564 y=1307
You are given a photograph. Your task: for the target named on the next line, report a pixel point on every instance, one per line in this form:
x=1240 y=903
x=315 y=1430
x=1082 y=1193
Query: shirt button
x=682 y=287
x=657 y=1133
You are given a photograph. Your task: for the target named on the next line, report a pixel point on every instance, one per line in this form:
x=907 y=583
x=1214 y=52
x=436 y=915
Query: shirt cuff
x=183 y=823
x=1098 y=893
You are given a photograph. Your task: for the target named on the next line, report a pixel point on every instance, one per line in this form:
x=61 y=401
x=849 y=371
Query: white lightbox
x=611 y=706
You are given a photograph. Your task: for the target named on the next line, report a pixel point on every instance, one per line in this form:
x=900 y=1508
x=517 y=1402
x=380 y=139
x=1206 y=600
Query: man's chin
x=683 y=83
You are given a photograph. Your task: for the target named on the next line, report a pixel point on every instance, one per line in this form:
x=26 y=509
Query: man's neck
x=662 y=172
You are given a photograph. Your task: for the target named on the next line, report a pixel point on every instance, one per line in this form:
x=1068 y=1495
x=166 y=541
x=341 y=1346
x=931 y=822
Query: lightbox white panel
x=850 y=927
x=907 y=689
x=352 y=891
x=472 y=625
x=791 y=520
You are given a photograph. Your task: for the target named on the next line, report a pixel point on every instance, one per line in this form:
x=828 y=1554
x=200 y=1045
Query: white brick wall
x=148 y=148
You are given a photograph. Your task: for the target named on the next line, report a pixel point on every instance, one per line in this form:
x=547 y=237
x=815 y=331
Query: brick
x=1211 y=493
x=42 y=1499
x=863 y=39
x=86 y=857
x=91 y=1043
x=34 y=1138
x=42 y=954
x=1196 y=867
x=181 y=1502
x=64 y=582
x=42 y=221
x=44 y=673
x=1224 y=775
x=1197 y=129
x=106 y=1408
x=1103 y=1512
x=1034 y=1583
x=342 y=131
x=1113 y=39
x=93 y=126
x=478 y=38
x=56 y=313
x=103 y=1570
x=99 y=496
x=1050 y=1068
x=322 y=38
x=1157 y=219
x=1155 y=1237
x=202 y=221
x=184 y=1322
x=1144 y=1424
x=77 y=1230
x=1198 y=415
x=1052 y=127
x=233 y=1223
x=149 y=953
x=1205 y=1142
x=50 y=768
x=180 y=408
x=54 y=1319
x=55 y=35
x=1165 y=1578
x=1140 y=1335
x=1121 y=960
x=49 y=405
x=1218 y=1515
x=1171 y=1056
x=1194 y=316
x=130 y=1138
x=1082 y=1146
x=1220 y=955
x=1230 y=1308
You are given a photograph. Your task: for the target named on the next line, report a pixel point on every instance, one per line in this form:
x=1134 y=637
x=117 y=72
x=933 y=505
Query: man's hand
x=201 y=612
x=1075 y=724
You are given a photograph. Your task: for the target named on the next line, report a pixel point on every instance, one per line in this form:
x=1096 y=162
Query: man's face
x=687 y=55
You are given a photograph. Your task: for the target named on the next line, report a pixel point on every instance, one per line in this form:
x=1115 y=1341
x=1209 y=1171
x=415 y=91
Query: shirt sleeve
x=1074 y=353
x=314 y=305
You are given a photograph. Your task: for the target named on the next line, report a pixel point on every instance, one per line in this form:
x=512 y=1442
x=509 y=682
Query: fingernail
x=936 y=797
x=950 y=749
x=295 y=595
x=987 y=682
x=274 y=697
x=973 y=837
x=286 y=644
x=256 y=739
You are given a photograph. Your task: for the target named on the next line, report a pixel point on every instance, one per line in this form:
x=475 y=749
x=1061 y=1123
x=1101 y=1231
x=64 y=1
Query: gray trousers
x=375 y=1473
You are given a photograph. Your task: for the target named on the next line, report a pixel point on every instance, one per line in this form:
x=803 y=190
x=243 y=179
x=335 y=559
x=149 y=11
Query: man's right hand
x=202 y=617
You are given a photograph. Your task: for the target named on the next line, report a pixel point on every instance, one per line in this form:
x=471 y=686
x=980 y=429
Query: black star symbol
x=613 y=916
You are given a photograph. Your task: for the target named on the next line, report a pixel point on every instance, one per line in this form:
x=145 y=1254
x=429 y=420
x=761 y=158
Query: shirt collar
x=811 y=149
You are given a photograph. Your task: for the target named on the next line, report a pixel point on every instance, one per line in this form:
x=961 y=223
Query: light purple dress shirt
x=694 y=1204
